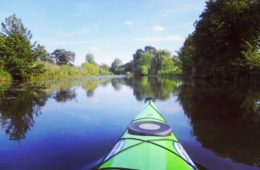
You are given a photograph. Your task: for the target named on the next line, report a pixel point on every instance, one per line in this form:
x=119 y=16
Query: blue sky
x=107 y=28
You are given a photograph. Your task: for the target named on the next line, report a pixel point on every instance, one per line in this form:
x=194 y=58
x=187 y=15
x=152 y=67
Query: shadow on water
x=225 y=118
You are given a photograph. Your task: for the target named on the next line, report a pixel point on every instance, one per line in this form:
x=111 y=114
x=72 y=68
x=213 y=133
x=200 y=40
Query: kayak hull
x=148 y=151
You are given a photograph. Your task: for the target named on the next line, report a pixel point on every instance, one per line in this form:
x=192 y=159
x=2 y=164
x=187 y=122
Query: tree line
x=22 y=58
x=225 y=43
x=149 y=61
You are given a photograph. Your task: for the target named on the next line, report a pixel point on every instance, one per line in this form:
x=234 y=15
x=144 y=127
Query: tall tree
x=115 y=66
x=138 y=54
x=142 y=60
x=151 y=61
x=90 y=58
x=43 y=54
x=63 y=57
x=186 y=54
x=17 y=52
x=150 y=49
x=163 y=63
x=226 y=38
x=2 y=41
x=143 y=64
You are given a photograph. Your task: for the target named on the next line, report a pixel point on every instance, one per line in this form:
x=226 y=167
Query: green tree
x=153 y=62
x=104 y=69
x=90 y=69
x=142 y=60
x=62 y=57
x=128 y=67
x=2 y=44
x=143 y=64
x=150 y=49
x=186 y=54
x=90 y=58
x=163 y=63
x=43 y=54
x=115 y=66
x=104 y=66
x=17 y=54
x=226 y=39
x=138 y=54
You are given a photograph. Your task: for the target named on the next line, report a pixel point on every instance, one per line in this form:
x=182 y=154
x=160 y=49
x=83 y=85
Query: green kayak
x=148 y=143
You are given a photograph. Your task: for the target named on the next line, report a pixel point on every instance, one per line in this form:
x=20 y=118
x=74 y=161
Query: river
x=73 y=124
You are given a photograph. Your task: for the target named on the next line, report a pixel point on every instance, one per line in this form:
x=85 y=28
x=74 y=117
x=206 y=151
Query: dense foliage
x=44 y=55
x=90 y=67
x=90 y=58
x=185 y=55
x=17 y=54
x=116 y=66
x=225 y=43
x=62 y=56
x=142 y=61
x=149 y=61
x=5 y=77
x=164 y=64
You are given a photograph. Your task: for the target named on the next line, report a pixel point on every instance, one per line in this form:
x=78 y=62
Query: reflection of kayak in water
x=148 y=143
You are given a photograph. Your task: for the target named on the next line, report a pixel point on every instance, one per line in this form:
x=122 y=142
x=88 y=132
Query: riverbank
x=58 y=72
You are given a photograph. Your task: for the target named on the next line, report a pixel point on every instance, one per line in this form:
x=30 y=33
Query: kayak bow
x=148 y=143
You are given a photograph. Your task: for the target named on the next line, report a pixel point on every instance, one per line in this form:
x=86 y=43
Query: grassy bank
x=58 y=72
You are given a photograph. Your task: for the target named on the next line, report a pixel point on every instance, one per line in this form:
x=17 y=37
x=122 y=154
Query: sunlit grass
x=59 y=72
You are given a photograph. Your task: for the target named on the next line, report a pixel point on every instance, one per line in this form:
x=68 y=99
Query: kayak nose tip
x=149 y=98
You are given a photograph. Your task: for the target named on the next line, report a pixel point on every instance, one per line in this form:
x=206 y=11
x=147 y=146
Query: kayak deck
x=147 y=152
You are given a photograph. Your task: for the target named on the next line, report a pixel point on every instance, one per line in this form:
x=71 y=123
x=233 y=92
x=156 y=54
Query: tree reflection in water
x=17 y=109
x=65 y=95
x=19 y=106
x=159 y=88
x=91 y=85
x=225 y=119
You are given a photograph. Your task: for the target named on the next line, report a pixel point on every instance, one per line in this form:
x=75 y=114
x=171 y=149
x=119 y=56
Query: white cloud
x=128 y=22
x=158 y=28
x=154 y=39
x=94 y=49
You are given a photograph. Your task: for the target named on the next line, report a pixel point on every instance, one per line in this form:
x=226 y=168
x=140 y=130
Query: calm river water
x=71 y=125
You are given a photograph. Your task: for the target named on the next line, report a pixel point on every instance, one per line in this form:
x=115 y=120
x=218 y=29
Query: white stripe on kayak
x=183 y=153
x=118 y=147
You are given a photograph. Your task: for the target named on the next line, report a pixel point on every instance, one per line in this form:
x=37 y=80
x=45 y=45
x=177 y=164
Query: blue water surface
x=73 y=125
